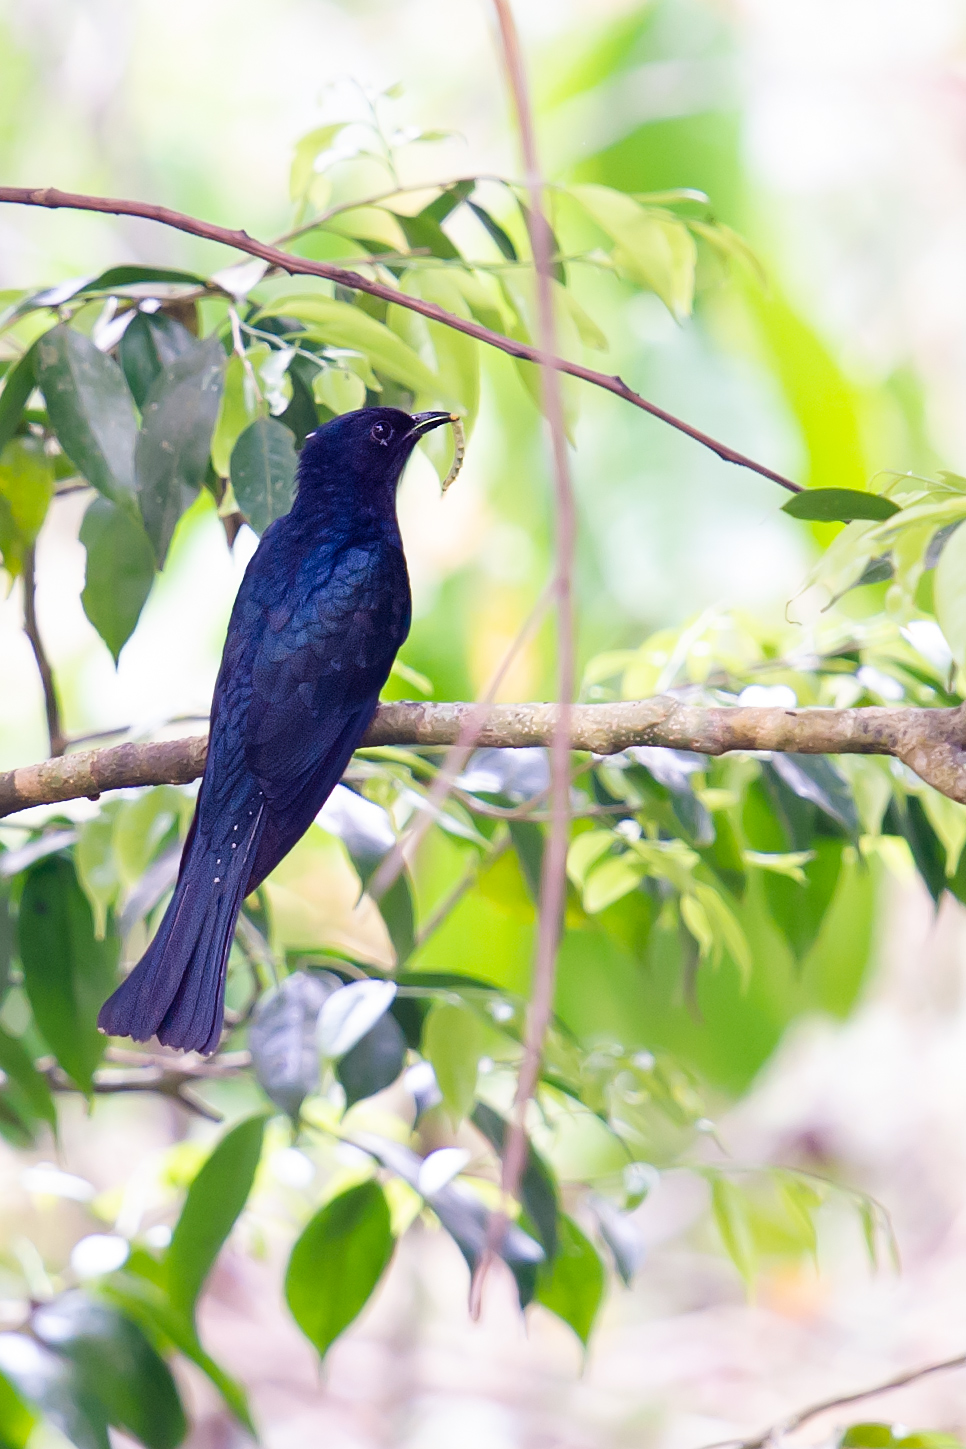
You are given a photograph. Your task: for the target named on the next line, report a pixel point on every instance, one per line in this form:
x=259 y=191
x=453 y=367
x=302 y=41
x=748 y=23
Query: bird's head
x=359 y=457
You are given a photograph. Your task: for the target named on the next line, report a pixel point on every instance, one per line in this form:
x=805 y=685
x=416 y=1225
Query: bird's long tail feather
x=176 y=992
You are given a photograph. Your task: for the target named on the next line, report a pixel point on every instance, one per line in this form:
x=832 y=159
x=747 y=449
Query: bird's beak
x=426 y=422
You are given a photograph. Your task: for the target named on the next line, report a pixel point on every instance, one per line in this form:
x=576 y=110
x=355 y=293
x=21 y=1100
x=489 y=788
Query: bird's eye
x=381 y=433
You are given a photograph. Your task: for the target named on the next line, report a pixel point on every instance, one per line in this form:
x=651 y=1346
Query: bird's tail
x=176 y=992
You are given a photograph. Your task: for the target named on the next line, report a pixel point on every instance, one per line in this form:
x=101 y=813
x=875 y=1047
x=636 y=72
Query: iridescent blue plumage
x=321 y=613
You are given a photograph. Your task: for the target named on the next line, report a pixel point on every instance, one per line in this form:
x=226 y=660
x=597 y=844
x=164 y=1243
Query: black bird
x=321 y=613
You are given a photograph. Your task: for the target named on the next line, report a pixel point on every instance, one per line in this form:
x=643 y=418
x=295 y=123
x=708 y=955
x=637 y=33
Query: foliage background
x=842 y=163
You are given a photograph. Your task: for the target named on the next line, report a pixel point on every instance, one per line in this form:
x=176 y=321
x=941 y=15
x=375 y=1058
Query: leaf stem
x=55 y=731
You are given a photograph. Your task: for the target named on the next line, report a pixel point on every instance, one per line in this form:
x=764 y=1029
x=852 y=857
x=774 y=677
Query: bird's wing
x=310 y=682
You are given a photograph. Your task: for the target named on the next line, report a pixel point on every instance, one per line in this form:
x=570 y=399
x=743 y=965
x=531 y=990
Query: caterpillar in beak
x=459 y=445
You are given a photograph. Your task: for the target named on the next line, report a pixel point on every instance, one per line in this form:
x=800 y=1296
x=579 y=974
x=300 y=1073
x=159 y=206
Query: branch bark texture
x=240 y=241
x=932 y=742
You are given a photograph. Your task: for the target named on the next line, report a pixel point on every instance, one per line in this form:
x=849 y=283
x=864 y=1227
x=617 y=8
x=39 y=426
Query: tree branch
x=297 y=266
x=777 y=1432
x=932 y=742
x=148 y=1072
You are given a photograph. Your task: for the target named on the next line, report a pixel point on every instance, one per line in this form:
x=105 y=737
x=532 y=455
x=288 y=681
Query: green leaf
x=838 y=505
x=67 y=971
x=91 y=410
x=337 y=1262
x=868 y=1436
x=339 y=390
x=18 y=384
x=928 y=852
x=307 y=150
x=572 y=1285
x=949 y=594
x=26 y=488
x=397 y=910
x=151 y=343
x=214 y=1201
x=120 y=572
x=239 y=407
x=144 y=1301
x=173 y=447
x=730 y=1208
x=497 y=234
x=453 y=1041
x=652 y=248
x=117 y=1365
x=45 y=1379
x=32 y=1092
x=17 y=1419
x=342 y=325
x=263 y=465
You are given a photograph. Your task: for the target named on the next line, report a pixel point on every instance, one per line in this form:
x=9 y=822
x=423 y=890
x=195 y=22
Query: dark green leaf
x=798 y=910
x=423 y=232
x=214 y=1201
x=91 y=410
x=143 y=1301
x=447 y=201
x=8 y=936
x=572 y=1286
x=838 y=505
x=152 y=342
x=495 y=230
x=337 y=1262
x=527 y=840
x=45 y=1379
x=18 y=384
x=32 y=1094
x=117 y=1365
x=180 y=412
x=67 y=971
x=398 y=912
x=814 y=778
x=120 y=571
x=911 y=822
x=133 y=275
x=301 y=416
x=285 y=1054
x=538 y=1191
x=374 y=1062
x=263 y=472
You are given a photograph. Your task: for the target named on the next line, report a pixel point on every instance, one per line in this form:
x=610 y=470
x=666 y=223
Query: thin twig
x=55 y=731
x=788 y=1426
x=464 y=884
x=932 y=742
x=553 y=876
x=456 y=757
x=297 y=266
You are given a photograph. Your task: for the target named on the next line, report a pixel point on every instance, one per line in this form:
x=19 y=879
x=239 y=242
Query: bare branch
x=932 y=742
x=298 y=266
x=147 y=1072
x=776 y=1432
